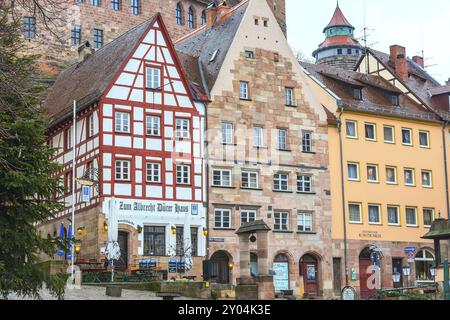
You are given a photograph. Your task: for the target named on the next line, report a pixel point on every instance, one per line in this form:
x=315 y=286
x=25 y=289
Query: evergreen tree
x=28 y=181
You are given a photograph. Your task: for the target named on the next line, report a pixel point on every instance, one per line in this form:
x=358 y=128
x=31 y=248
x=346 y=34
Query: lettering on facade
x=153 y=208
x=370 y=234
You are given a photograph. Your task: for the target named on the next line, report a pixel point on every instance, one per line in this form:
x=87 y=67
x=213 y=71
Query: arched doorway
x=369 y=257
x=309 y=269
x=281 y=269
x=220 y=271
x=253 y=264
x=122 y=263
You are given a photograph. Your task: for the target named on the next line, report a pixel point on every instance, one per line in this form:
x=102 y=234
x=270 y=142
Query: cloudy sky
x=416 y=24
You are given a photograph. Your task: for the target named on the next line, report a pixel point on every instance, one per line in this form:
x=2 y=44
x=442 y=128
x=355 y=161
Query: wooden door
x=310 y=276
x=365 y=292
x=337 y=276
x=122 y=263
x=219 y=268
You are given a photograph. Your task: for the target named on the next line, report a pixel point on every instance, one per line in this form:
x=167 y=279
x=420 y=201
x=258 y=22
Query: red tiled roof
x=339 y=41
x=338 y=19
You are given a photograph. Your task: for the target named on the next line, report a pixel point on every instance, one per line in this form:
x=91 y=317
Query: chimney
x=419 y=61
x=85 y=51
x=215 y=13
x=398 y=58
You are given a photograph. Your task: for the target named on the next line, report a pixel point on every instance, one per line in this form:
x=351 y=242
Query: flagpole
x=74 y=192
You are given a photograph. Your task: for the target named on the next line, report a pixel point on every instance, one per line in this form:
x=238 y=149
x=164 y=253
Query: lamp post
x=396 y=279
x=433 y=271
x=407 y=273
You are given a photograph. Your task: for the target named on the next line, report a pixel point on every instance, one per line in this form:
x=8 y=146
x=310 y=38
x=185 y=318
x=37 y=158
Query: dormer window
x=395 y=100
x=357 y=93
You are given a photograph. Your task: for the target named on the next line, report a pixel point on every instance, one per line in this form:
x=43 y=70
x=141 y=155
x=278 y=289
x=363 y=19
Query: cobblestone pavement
x=97 y=293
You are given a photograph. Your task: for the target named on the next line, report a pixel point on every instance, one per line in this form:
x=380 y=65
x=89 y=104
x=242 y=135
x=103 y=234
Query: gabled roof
x=440 y=90
x=86 y=81
x=213 y=43
x=338 y=20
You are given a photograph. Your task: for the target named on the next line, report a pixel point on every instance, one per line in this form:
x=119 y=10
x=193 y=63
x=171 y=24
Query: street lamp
x=407 y=273
x=396 y=278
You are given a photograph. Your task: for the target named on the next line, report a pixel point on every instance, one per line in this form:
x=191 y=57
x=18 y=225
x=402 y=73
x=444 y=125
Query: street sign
x=411 y=253
x=86 y=193
x=410 y=250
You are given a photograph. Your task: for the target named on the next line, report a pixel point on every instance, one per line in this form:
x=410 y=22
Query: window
x=353 y=171
x=407 y=137
x=194 y=241
x=304 y=183
x=281 y=221
x=98 y=38
x=68 y=182
x=256 y=21
x=153 y=78
x=123 y=122
x=29 y=27
x=154 y=241
x=266 y=23
x=122 y=170
x=395 y=100
x=243 y=90
x=372 y=173
x=95 y=3
x=136 y=7
x=349 y=51
x=289 y=95
x=258 y=137
x=307 y=141
x=389 y=136
x=339 y=51
x=281 y=182
x=203 y=18
x=75 y=35
x=391 y=175
x=428 y=217
x=91 y=126
x=182 y=128
x=248 y=216
x=222 y=178
x=304 y=221
x=411 y=217
x=191 y=18
x=249 y=54
x=227 y=133
x=91 y=171
x=424 y=139
x=351 y=129
x=116 y=5
x=354 y=213
x=222 y=218
x=374 y=214
x=153 y=172
x=68 y=138
x=179 y=241
x=183 y=174
x=409 y=177
x=153 y=124
x=357 y=93
x=424 y=261
x=371 y=132
x=393 y=216
x=250 y=180
x=179 y=14
x=282 y=139
x=427 y=179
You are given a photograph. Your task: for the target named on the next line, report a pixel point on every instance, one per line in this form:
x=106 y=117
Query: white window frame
x=281 y=216
x=245 y=216
x=355 y=124
x=413 y=184
x=307 y=141
x=282 y=139
x=152 y=168
x=289 y=96
x=249 y=175
x=281 y=177
x=91 y=125
x=153 y=125
x=221 y=223
x=392 y=128
x=433 y=217
x=371 y=205
x=374 y=126
x=302 y=183
x=153 y=78
x=183 y=172
x=358 y=178
x=123 y=171
x=395 y=175
x=377 y=173
x=182 y=128
x=123 y=122
x=429 y=172
x=222 y=173
x=227 y=129
x=244 y=93
x=359 y=210
x=410 y=137
x=406 y=217
x=302 y=221
x=397 y=211
x=428 y=139
x=258 y=136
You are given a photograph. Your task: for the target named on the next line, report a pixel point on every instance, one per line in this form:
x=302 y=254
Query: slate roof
x=376 y=91
x=338 y=20
x=204 y=43
x=86 y=81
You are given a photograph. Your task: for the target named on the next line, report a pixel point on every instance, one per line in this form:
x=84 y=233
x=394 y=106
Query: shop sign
x=281 y=277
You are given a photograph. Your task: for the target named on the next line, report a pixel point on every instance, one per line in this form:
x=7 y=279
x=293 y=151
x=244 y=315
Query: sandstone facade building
x=266 y=150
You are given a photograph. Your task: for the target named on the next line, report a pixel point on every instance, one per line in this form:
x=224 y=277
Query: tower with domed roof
x=340 y=48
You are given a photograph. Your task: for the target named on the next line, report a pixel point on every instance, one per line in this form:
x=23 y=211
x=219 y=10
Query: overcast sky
x=414 y=24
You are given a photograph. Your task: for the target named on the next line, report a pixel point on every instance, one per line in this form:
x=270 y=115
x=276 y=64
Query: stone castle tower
x=340 y=48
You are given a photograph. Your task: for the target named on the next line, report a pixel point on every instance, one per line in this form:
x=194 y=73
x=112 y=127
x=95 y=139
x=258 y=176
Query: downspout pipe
x=344 y=207
x=444 y=141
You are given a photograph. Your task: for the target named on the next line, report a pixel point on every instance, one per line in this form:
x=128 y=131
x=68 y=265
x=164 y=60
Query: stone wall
x=346 y=62
x=268 y=75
